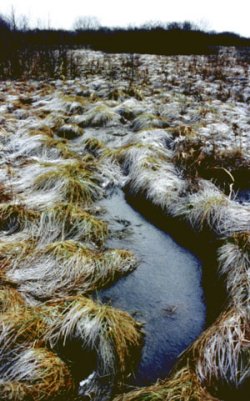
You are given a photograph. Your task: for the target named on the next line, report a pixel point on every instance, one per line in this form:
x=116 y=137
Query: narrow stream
x=164 y=292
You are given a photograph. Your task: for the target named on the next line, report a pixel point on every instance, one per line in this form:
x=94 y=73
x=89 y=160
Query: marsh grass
x=36 y=374
x=10 y=299
x=182 y=386
x=57 y=148
x=14 y=251
x=205 y=208
x=46 y=270
x=15 y=217
x=5 y=194
x=94 y=146
x=234 y=266
x=221 y=351
x=75 y=182
x=68 y=221
x=69 y=131
x=148 y=121
x=14 y=390
x=67 y=267
x=20 y=327
x=99 y=116
x=197 y=159
x=111 y=333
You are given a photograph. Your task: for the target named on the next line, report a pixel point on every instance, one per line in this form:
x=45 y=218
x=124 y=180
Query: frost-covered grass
x=67 y=267
x=175 y=131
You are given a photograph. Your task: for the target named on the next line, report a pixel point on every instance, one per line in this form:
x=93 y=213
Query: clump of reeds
x=36 y=374
x=184 y=385
x=67 y=267
x=68 y=221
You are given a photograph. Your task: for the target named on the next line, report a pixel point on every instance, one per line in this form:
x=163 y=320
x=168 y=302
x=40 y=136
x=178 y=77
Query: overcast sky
x=218 y=15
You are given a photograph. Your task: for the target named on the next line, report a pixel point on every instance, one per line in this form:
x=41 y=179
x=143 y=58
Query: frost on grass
x=182 y=142
x=182 y=386
x=222 y=352
x=67 y=221
x=234 y=266
x=67 y=267
x=35 y=373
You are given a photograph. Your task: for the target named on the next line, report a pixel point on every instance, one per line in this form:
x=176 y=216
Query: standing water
x=164 y=292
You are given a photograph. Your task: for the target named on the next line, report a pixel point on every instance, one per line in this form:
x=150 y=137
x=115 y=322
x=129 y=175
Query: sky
x=217 y=15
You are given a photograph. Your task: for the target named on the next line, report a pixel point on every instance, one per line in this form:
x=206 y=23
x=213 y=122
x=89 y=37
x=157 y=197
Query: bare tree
x=86 y=23
x=13 y=19
x=23 y=23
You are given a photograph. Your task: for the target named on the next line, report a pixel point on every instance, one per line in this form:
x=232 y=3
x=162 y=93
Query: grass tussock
x=57 y=148
x=234 y=265
x=113 y=334
x=5 y=194
x=183 y=386
x=10 y=299
x=221 y=353
x=21 y=327
x=36 y=374
x=148 y=121
x=99 y=116
x=16 y=250
x=75 y=182
x=67 y=221
x=206 y=208
x=94 y=146
x=15 y=217
x=67 y=267
x=15 y=390
x=69 y=131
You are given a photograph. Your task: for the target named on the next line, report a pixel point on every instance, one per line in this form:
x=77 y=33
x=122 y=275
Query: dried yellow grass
x=182 y=386
x=21 y=327
x=112 y=333
x=13 y=252
x=36 y=373
x=15 y=216
x=10 y=299
x=69 y=221
x=220 y=352
x=75 y=182
x=67 y=268
x=234 y=265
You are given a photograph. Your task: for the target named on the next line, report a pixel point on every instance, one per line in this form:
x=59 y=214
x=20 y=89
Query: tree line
x=20 y=45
